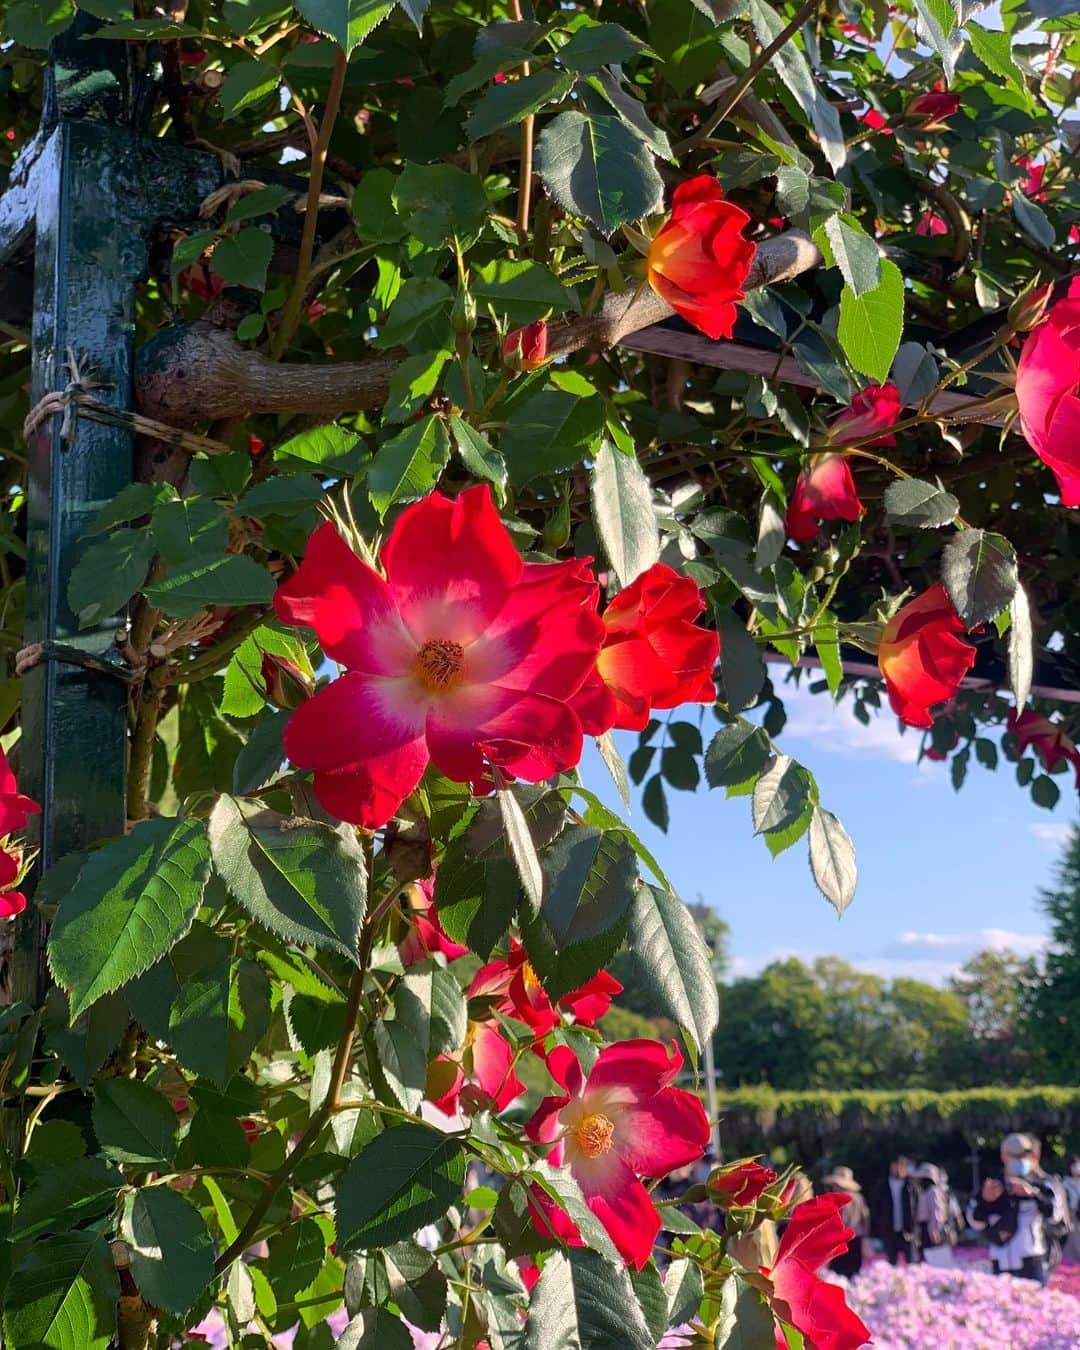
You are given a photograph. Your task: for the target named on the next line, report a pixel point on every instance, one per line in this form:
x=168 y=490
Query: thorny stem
x=323 y=1111
x=291 y=317
x=747 y=78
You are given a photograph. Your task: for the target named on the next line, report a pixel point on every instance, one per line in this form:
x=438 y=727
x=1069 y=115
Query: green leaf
x=407 y=1177
x=262 y=759
x=519 y=289
x=134 y=898
x=375 y=1329
x=34 y=23
x=247 y=83
x=994 y=50
x=1045 y=792
x=855 y=253
x=133 y=1123
x=623 y=511
x=871 y=324
x=745 y=1319
x=926 y=506
x=296 y=1257
x=373 y=208
x=937 y=25
x=131 y=502
x=233 y=580
x=684 y=35
x=742 y=669
x=503 y=105
x=1021 y=647
x=172 y=1252
x=548 y=432
x=597 y=168
x=190 y=529
x=795 y=72
x=408 y=466
x=418 y=316
x=219 y=1017
x=449 y=1015
x=832 y=859
x=735 y=754
x=827 y=644
x=347 y=22
x=654 y=803
x=244 y=694
x=66 y=1195
x=242 y=259
x=439 y=202
x=582 y=1302
x=412 y=384
x=62 y=1295
x=263 y=201
x=108 y=574
x=479 y=456
x=522 y=848
x=673 y=960
x=979 y=572
x=781 y=795
x=685 y=1288
x=598 y=44
x=298 y=878
x=1032 y=220
x=330 y=451
x=590 y=876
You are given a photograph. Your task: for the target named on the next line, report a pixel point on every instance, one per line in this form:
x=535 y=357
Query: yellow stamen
x=440 y=663
x=593 y=1135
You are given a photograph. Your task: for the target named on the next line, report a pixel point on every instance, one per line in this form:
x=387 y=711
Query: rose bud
x=526 y=348
x=286 y=684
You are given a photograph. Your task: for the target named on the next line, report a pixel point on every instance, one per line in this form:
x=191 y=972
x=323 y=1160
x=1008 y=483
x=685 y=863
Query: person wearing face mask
x=1021 y=1212
x=1071 y=1183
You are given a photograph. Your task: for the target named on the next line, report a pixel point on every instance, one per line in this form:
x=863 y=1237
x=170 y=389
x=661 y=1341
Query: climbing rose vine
x=530 y=398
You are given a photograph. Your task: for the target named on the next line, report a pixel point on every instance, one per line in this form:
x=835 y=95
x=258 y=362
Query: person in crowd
x=892 y=1212
x=856 y=1214
x=1021 y=1212
x=1071 y=1184
x=931 y=1213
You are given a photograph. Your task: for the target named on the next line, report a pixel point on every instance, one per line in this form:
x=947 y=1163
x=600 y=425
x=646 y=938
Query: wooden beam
x=702 y=351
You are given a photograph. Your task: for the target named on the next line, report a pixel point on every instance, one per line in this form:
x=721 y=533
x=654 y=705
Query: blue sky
x=941 y=874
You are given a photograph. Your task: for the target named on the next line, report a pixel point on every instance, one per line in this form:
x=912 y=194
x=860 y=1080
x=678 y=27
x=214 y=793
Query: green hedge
x=754 y=1117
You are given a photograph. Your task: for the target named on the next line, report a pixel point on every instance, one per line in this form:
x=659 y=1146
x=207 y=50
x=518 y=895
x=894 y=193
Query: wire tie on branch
x=75 y=401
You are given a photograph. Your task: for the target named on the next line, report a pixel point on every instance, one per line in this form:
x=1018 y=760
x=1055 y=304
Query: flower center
x=593 y=1135
x=529 y=976
x=439 y=663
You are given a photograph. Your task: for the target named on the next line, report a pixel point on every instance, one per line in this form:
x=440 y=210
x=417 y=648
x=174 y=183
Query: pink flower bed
x=921 y=1308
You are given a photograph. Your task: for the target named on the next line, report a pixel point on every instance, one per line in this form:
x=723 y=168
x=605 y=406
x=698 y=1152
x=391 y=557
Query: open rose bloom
x=698 y=259
x=623 y=1122
x=15 y=811
x=1048 y=392
x=461 y=655
x=516 y=991
x=922 y=658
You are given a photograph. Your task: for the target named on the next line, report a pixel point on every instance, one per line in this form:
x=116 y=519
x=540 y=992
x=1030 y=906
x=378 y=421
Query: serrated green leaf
x=108 y=574
x=596 y=167
x=247 y=83
x=440 y=202
x=172 y=1252
x=623 y=511
x=781 y=796
x=62 y=1295
x=670 y=953
x=736 y=753
x=979 y=572
x=347 y=22
x=926 y=506
x=242 y=259
x=550 y=431
x=193 y=528
x=231 y=580
x=871 y=324
x=407 y=1177
x=504 y=105
x=1021 y=647
x=133 y=1123
x=479 y=456
x=582 y=1301
x=832 y=859
x=298 y=878
x=407 y=466
x=66 y=1195
x=132 y=901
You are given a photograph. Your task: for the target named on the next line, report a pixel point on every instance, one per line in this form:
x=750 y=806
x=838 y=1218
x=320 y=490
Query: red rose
x=427 y=936
x=699 y=259
x=921 y=658
x=1048 y=738
x=824 y=491
x=1033 y=177
x=930 y=112
x=654 y=654
x=462 y=655
x=814 y=1236
x=742 y=1184
x=520 y=994
x=526 y=348
x=875 y=408
x=930 y=224
x=622 y=1122
x=1048 y=392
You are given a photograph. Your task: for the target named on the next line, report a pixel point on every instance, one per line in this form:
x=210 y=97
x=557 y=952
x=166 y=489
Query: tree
x=1055 y=1004
x=997 y=988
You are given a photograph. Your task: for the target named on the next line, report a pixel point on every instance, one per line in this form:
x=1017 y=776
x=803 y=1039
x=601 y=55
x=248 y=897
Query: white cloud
x=932 y=957
x=1052 y=833
x=834 y=727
